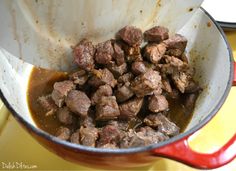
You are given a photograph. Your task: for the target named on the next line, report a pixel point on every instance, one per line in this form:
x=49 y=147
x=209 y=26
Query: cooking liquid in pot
x=41 y=83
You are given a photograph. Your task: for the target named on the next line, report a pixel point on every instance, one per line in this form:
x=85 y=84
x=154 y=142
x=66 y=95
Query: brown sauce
x=41 y=83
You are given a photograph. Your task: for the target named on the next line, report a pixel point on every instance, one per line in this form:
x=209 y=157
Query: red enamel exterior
x=181 y=151
x=234 y=80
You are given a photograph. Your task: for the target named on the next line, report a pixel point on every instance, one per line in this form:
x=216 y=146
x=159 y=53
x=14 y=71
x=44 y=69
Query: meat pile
x=115 y=81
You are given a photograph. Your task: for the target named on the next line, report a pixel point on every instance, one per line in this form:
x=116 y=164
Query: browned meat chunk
x=176 y=45
x=107 y=108
x=131 y=35
x=156 y=34
x=138 y=67
x=166 y=85
x=78 y=102
x=132 y=51
x=104 y=53
x=104 y=90
x=87 y=122
x=130 y=108
x=155 y=52
x=126 y=78
x=88 y=136
x=63 y=133
x=117 y=70
x=101 y=77
x=109 y=134
x=175 y=62
x=164 y=125
x=65 y=116
x=181 y=80
x=151 y=136
x=131 y=140
x=124 y=92
x=158 y=103
x=60 y=91
x=83 y=54
x=184 y=58
x=119 y=55
x=75 y=137
x=79 y=77
x=146 y=83
x=47 y=104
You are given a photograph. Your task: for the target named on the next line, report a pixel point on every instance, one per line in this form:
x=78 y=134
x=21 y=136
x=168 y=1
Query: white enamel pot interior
x=208 y=52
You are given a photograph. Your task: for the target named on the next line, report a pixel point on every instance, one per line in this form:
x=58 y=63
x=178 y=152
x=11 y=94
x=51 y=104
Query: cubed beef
x=138 y=67
x=130 y=109
x=128 y=77
x=156 y=34
x=47 y=104
x=158 y=91
x=75 y=137
x=65 y=116
x=104 y=90
x=175 y=62
x=166 y=85
x=107 y=108
x=119 y=55
x=130 y=139
x=176 y=45
x=120 y=124
x=155 y=52
x=131 y=35
x=150 y=135
x=117 y=70
x=146 y=83
x=131 y=51
x=78 y=102
x=88 y=136
x=109 y=134
x=164 y=125
x=63 y=133
x=87 y=121
x=101 y=77
x=181 y=80
x=158 y=103
x=79 y=77
x=83 y=54
x=124 y=92
x=60 y=91
x=104 y=52
x=189 y=102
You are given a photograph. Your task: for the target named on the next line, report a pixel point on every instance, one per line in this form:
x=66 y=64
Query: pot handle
x=234 y=79
x=181 y=151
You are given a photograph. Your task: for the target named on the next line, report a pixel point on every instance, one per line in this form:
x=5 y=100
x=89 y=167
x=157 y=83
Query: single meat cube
x=155 y=52
x=130 y=139
x=181 y=80
x=75 y=137
x=164 y=125
x=138 y=67
x=104 y=52
x=156 y=34
x=47 y=104
x=104 y=90
x=78 y=102
x=146 y=83
x=107 y=108
x=83 y=54
x=175 y=62
x=88 y=136
x=65 y=116
x=60 y=91
x=166 y=85
x=124 y=93
x=119 y=55
x=79 y=77
x=117 y=70
x=109 y=134
x=150 y=135
x=126 y=78
x=158 y=91
x=63 y=133
x=101 y=77
x=131 y=35
x=176 y=45
x=158 y=103
x=130 y=108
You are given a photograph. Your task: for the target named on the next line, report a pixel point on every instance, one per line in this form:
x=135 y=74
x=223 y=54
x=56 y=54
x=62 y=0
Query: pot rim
x=82 y=148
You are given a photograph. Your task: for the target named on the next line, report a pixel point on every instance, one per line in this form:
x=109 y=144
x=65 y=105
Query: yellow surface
x=18 y=146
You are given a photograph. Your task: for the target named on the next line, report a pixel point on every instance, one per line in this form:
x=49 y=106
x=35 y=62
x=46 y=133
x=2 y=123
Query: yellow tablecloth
x=18 y=146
